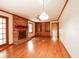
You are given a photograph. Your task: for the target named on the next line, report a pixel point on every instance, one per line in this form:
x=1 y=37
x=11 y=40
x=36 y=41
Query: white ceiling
x=32 y=8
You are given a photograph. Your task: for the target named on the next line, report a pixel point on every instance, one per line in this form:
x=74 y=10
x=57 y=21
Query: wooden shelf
x=20 y=27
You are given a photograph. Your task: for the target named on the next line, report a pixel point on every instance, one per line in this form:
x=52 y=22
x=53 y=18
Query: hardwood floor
x=37 y=47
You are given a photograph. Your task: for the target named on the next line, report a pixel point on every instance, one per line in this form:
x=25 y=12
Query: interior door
x=3 y=30
x=55 y=31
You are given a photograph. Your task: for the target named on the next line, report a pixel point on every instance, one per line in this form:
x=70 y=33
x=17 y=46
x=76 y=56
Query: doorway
x=55 y=31
x=3 y=31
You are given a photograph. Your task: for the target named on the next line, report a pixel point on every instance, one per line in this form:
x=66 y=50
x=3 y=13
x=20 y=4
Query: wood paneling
x=42 y=29
x=47 y=27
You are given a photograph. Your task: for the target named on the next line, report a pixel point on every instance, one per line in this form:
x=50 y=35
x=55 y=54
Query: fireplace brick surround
x=19 y=25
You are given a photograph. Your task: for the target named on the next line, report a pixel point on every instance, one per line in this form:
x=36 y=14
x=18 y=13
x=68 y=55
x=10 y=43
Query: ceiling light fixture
x=44 y=15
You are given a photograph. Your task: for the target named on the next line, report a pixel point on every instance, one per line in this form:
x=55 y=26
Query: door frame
x=7 y=30
x=57 y=29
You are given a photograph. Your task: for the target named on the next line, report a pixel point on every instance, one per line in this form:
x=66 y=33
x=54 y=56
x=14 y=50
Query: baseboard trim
x=65 y=49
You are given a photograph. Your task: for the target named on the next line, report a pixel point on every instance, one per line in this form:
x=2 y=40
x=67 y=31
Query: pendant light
x=44 y=15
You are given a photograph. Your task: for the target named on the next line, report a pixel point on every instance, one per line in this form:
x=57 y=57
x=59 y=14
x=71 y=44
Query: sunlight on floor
x=54 y=36
x=30 y=46
x=3 y=54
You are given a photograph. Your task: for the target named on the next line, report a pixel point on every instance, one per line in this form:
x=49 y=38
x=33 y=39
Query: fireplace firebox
x=22 y=35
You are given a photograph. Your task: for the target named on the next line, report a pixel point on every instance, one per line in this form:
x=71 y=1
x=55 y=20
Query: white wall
x=69 y=28
x=10 y=25
x=33 y=33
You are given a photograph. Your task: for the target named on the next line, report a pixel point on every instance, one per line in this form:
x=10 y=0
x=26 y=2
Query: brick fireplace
x=20 y=29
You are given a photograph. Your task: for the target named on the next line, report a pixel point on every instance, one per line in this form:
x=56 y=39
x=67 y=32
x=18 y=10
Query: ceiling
x=32 y=8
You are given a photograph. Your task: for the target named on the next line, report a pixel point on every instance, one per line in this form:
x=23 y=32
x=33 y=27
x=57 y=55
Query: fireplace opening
x=22 y=35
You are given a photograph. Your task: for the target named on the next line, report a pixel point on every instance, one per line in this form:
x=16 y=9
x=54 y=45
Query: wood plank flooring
x=37 y=47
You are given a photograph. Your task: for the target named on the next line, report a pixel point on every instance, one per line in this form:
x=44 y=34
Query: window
x=2 y=30
x=30 y=27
